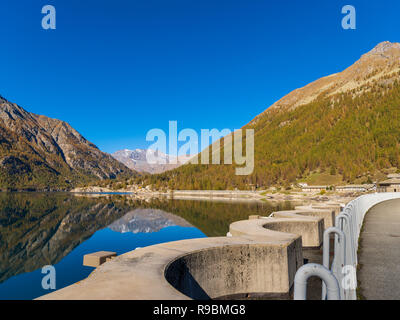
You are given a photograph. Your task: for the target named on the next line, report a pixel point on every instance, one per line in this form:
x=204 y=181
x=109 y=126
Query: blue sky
x=116 y=69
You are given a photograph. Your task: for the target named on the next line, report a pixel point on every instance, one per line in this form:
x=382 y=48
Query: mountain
x=380 y=62
x=341 y=128
x=136 y=160
x=37 y=152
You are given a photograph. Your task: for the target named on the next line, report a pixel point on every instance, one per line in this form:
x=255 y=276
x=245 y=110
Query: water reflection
x=147 y=221
x=39 y=229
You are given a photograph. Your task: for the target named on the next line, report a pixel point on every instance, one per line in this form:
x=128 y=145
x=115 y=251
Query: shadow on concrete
x=179 y=276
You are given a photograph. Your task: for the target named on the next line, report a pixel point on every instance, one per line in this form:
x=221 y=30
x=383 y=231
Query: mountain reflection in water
x=38 y=229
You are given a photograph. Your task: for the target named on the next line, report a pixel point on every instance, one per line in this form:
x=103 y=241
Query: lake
x=39 y=229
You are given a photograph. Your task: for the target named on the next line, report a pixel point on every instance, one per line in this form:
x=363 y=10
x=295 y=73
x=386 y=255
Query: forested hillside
x=347 y=125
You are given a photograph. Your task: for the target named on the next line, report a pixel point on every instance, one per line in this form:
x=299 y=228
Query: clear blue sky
x=116 y=69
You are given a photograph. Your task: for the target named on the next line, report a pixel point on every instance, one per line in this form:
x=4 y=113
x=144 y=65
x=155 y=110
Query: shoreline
x=218 y=195
x=206 y=195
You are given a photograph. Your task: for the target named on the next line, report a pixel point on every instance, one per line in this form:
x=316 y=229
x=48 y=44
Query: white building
x=356 y=188
x=308 y=188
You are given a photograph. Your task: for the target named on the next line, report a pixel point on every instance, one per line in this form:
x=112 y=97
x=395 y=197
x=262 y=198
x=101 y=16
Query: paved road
x=379 y=254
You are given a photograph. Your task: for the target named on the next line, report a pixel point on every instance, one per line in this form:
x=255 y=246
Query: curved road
x=379 y=254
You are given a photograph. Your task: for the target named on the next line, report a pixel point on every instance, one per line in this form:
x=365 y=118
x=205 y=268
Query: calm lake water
x=39 y=229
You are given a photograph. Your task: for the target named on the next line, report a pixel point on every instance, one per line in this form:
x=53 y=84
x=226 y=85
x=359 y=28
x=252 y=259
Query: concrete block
x=328 y=214
x=97 y=258
x=309 y=229
x=335 y=207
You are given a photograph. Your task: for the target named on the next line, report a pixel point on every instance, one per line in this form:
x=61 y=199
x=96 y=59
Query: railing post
x=310 y=270
x=347 y=229
x=352 y=235
x=340 y=251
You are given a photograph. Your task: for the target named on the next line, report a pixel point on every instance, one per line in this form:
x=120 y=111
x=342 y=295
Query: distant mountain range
x=341 y=128
x=38 y=153
x=137 y=160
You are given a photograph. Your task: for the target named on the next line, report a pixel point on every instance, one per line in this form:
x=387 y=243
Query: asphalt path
x=379 y=253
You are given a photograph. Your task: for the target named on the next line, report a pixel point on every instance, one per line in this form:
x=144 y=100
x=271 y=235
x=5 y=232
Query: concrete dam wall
x=259 y=257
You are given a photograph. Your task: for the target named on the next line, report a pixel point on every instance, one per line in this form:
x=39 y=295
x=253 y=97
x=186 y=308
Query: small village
x=391 y=184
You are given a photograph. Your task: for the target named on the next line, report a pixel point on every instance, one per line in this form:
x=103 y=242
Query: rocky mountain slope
x=382 y=61
x=37 y=152
x=136 y=160
x=345 y=126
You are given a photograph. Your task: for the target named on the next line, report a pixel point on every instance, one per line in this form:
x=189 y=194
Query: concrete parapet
x=327 y=214
x=310 y=229
x=333 y=206
x=196 y=268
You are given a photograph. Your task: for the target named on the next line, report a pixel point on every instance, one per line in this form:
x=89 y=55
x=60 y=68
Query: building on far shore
x=356 y=188
x=390 y=185
x=307 y=188
x=346 y=188
x=393 y=176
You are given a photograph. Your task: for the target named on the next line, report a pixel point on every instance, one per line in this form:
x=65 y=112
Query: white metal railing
x=347 y=232
x=312 y=270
